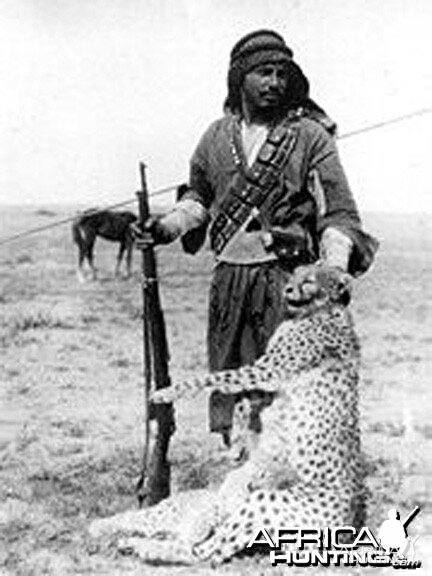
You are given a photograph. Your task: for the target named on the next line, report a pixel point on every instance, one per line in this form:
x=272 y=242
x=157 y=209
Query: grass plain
x=71 y=392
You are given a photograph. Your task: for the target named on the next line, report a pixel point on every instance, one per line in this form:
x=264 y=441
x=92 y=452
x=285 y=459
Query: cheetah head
x=315 y=286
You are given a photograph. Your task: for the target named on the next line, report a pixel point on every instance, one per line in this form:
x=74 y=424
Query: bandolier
x=254 y=185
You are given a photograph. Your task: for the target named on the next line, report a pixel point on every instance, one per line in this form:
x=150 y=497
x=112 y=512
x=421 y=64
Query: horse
x=113 y=226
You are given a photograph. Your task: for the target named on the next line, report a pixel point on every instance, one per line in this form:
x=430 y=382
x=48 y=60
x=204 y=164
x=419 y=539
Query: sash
x=252 y=186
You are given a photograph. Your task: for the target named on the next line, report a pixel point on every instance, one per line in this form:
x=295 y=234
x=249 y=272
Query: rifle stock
x=154 y=482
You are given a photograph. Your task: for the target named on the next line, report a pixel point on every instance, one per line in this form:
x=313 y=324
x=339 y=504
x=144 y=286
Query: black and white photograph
x=215 y=287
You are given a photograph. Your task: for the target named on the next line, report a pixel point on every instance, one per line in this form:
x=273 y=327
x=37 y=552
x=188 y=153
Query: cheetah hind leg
x=147 y=522
x=155 y=551
x=230 y=538
x=199 y=523
x=164 y=533
x=194 y=527
x=166 y=519
x=240 y=432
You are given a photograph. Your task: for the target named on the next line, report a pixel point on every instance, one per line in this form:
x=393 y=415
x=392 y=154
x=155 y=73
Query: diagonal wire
x=71 y=218
x=162 y=191
x=384 y=123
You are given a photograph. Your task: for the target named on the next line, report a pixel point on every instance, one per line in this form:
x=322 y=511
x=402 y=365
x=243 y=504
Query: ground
x=71 y=430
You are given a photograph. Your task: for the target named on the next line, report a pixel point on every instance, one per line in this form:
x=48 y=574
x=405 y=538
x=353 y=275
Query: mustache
x=272 y=90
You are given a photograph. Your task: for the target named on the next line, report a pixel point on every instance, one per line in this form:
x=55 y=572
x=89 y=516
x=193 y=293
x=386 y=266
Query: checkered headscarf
x=262 y=47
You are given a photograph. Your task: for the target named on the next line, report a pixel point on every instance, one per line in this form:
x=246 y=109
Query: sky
x=88 y=88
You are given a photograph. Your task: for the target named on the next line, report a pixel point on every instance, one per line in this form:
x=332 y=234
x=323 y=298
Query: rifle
x=154 y=481
x=410 y=516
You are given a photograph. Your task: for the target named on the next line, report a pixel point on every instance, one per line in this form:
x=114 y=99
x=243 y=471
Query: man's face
x=264 y=88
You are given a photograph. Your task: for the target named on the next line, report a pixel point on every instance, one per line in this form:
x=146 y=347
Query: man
x=267 y=181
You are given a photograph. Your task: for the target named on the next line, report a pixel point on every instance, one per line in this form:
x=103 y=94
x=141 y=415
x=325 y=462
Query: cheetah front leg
x=256 y=377
x=295 y=346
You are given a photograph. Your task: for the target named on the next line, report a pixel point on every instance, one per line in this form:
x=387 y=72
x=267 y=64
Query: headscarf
x=262 y=47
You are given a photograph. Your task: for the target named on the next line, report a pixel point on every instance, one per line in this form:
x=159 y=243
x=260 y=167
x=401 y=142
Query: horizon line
x=40 y=205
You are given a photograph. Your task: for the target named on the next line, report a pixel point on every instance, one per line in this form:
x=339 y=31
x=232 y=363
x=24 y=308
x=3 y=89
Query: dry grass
x=70 y=391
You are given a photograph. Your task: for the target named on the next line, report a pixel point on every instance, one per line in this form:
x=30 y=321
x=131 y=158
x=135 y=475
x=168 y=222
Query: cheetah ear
x=345 y=296
x=341 y=293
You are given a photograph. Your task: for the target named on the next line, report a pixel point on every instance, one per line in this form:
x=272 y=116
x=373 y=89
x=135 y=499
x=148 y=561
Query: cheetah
x=304 y=468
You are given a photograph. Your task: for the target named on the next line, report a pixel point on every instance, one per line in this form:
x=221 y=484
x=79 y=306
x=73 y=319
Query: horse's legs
x=79 y=237
x=89 y=255
x=80 y=271
x=119 y=258
x=129 y=249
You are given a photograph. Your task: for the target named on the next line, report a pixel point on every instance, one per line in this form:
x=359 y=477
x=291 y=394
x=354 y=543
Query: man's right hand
x=152 y=233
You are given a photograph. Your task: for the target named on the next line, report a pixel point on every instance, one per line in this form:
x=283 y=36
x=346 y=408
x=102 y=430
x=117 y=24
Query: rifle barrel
x=411 y=516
